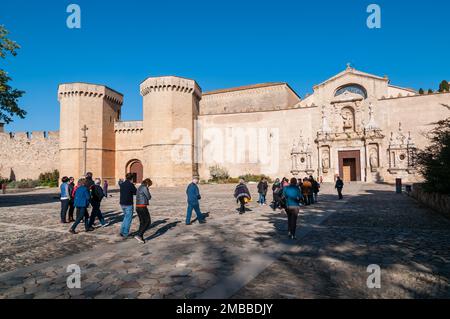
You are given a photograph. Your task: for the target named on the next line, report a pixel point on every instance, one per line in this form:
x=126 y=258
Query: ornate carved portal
x=402 y=152
x=301 y=156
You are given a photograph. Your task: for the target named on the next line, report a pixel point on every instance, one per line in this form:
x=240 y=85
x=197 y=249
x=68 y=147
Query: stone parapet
x=438 y=202
x=128 y=126
x=89 y=90
x=170 y=83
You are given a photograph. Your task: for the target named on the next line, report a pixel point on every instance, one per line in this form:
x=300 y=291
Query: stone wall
x=438 y=202
x=255 y=98
x=130 y=141
x=26 y=155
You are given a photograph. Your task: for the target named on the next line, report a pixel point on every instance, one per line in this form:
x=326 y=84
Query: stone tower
x=170 y=108
x=97 y=107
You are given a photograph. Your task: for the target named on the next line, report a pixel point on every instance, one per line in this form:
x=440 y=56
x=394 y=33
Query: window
x=352 y=88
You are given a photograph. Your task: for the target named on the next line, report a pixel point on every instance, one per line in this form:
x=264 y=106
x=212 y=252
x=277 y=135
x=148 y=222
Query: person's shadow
x=161 y=231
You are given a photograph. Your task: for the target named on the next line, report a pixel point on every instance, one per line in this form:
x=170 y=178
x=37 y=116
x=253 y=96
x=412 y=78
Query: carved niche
x=348 y=117
x=402 y=152
x=301 y=157
x=325 y=159
x=374 y=159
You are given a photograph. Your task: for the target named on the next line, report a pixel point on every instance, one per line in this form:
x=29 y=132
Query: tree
x=421 y=91
x=430 y=91
x=434 y=161
x=8 y=96
x=444 y=86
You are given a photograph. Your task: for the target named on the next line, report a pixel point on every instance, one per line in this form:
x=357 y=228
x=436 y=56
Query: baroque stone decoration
x=302 y=157
x=345 y=124
x=402 y=151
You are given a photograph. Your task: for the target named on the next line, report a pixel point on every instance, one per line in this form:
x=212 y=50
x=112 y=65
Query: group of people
x=309 y=190
x=287 y=195
x=87 y=192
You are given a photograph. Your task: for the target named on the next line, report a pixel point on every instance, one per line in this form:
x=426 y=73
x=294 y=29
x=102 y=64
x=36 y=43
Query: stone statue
x=347 y=115
x=325 y=162
x=373 y=160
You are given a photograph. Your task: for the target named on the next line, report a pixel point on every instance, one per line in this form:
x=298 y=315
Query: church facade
x=355 y=125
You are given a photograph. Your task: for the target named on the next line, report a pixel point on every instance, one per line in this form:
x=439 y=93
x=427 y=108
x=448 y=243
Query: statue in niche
x=348 y=117
x=325 y=162
x=373 y=160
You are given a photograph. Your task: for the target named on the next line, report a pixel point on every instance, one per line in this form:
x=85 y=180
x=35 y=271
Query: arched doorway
x=135 y=167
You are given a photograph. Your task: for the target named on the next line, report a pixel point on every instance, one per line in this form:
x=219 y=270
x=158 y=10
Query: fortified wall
x=28 y=154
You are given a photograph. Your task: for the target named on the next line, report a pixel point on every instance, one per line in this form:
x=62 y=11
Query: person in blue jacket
x=293 y=196
x=193 y=197
x=81 y=203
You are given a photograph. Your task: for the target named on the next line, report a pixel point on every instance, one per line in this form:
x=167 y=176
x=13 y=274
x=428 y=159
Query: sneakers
x=139 y=239
x=202 y=221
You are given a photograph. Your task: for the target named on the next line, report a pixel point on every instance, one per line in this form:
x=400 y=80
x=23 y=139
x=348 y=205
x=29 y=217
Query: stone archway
x=136 y=168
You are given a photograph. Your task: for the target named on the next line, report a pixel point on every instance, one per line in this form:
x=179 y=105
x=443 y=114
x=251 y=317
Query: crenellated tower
x=97 y=108
x=170 y=108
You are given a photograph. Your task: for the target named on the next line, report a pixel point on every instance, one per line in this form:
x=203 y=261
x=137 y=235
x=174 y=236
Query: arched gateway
x=135 y=167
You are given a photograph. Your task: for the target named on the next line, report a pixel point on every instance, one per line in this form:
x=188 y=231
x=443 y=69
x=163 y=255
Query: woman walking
x=82 y=199
x=65 y=198
x=293 y=197
x=143 y=197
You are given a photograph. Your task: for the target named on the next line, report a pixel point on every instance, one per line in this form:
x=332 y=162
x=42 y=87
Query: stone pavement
x=237 y=256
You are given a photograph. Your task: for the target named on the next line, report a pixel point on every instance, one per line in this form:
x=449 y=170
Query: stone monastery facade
x=355 y=125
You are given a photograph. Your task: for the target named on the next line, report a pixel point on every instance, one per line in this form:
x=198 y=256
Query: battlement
x=34 y=135
x=170 y=83
x=128 y=126
x=89 y=90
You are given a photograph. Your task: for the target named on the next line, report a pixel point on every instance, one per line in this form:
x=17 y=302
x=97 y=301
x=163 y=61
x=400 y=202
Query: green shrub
x=24 y=183
x=50 y=179
x=255 y=178
x=434 y=160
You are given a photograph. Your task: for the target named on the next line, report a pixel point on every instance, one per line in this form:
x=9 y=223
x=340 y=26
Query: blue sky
x=220 y=44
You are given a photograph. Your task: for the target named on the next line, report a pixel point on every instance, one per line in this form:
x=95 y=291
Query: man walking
x=262 y=191
x=339 y=186
x=96 y=200
x=127 y=191
x=193 y=197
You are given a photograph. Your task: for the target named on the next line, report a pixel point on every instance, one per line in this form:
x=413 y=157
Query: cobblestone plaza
x=232 y=255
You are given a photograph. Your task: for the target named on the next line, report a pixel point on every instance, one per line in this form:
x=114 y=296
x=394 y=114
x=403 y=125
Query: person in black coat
x=127 y=191
x=262 y=191
x=97 y=196
x=277 y=190
x=339 y=186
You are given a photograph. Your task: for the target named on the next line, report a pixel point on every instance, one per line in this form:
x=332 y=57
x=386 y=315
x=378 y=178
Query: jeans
x=311 y=199
x=96 y=212
x=292 y=214
x=64 y=208
x=199 y=214
x=262 y=199
x=127 y=219
x=316 y=196
x=144 y=220
x=81 y=213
